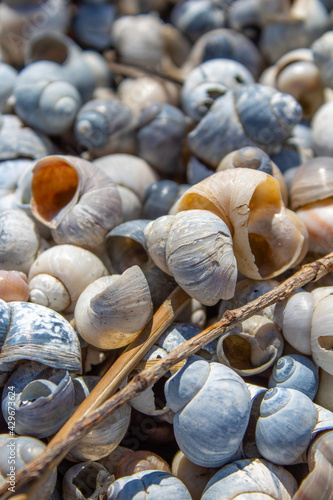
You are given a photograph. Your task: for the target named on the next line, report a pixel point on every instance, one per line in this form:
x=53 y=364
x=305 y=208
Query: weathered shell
x=19 y=241
x=60 y=274
x=250 y=203
x=148 y=483
x=160 y=196
x=104 y=437
x=76 y=200
x=252 y=347
x=44 y=399
x=160 y=137
x=212 y=406
x=23 y=449
x=140 y=460
x=208 y=81
x=283 y=431
x=105 y=126
x=248 y=115
x=84 y=477
x=321 y=333
x=321 y=128
x=322 y=54
x=251 y=479
x=324 y=396
x=112 y=310
x=296 y=372
x=195 y=247
x=7 y=78
x=34 y=332
x=13 y=286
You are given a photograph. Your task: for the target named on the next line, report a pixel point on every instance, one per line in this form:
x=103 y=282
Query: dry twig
x=56 y=450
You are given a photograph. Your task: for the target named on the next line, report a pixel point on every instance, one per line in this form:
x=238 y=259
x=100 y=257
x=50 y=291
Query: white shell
x=321 y=334
x=60 y=274
x=112 y=310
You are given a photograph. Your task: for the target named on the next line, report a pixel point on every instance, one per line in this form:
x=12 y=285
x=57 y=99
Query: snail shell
x=26 y=449
x=60 y=274
x=212 y=406
x=252 y=347
x=92 y=25
x=7 y=78
x=321 y=332
x=160 y=196
x=138 y=461
x=34 y=332
x=76 y=200
x=196 y=248
x=322 y=54
x=248 y=115
x=148 y=483
x=86 y=476
x=296 y=372
x=112 y=310
x=44 y=399
x=283 y=431
x=250 y=203
x=255 y=479
x=13 y=286
x=196 y=171
x=19 y=241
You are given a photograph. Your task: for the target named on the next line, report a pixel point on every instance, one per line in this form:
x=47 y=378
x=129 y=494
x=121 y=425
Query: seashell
x=139 y=461
x=251 y=347
x=19 y=240
x=283 y=431
x=194 y=18
x=160 y=196
x=34 y=332
x=212 y=406
x=44 y=399
x=18 y=141
x=210 y=80
x=103 y=437
x=105 y=126
x=86 y=478
x=147 y=483
x=247 y=290
x=178 y=333
x=244 y=16
x=126 y=246
x=8 y=76
x=193 y=476
x=295 y=372
x=257 y=159
x=321 y=130
x=321 y=334
x=309 y=20
x=322 y=54
x=197 y=171
x=129 y=309
x=25 y=449
x=11 y=170
x=13 y=286
x=225 y=43
x=251 y=479
x=295 y=73
x=258 y=221
x=160 y=138
x=324 y=396
x=60 y=274
x=296 y=150
x=138 y=93
x=195 y=247
x=64 y=198
x=248 y=115
x=21 y=21
x=92 y=24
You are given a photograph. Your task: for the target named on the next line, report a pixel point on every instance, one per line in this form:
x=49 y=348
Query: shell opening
x=53 y=186
x=85 y=480
x=49 y=48
x=326 y=343
x=238 y=352
x=34 y=390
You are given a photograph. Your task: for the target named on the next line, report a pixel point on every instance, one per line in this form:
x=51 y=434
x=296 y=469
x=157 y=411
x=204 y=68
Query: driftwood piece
x=37 y=470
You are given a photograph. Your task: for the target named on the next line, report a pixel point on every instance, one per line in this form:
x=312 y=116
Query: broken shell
x=86 y=478
x=112 y=310
x=321 y=333
x=60 y=274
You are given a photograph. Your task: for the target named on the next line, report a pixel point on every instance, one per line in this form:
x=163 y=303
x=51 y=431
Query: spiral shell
x=64 y=198
x=60 y=274
x=296 y=372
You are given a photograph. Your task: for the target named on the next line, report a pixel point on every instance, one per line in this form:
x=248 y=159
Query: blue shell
x=7 y=81
x=92 y=24
x=197 y=171
x=148 y=484
x=160 y=139
x=212 y=406
x=178 y=333
x=296 y=372
x=283 y=431
x=99 y=121
x=160 y=196
x=250 y=115
x=196 y=17
x=39 y=334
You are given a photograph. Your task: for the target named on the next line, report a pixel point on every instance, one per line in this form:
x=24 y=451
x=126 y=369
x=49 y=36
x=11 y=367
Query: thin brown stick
x=41 y=467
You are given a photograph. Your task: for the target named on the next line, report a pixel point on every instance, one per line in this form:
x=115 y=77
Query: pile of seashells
x=146 y=144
